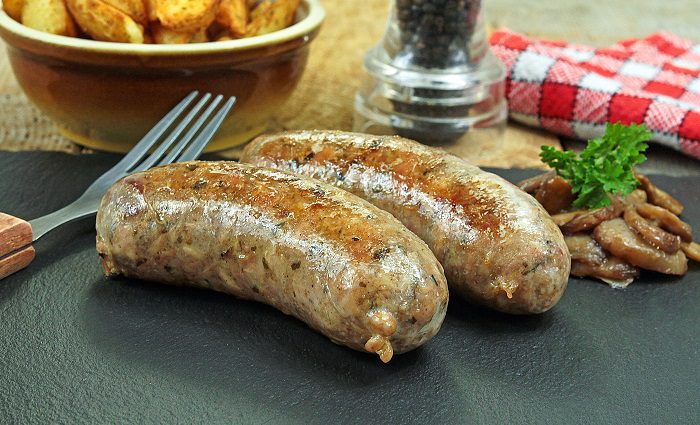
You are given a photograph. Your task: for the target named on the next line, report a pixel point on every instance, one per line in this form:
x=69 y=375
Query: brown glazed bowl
x=108 y=95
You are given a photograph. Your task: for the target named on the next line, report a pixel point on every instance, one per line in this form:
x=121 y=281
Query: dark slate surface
x=75 y=348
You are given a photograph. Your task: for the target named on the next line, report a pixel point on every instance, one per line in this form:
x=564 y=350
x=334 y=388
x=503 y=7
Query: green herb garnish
x=605 y=167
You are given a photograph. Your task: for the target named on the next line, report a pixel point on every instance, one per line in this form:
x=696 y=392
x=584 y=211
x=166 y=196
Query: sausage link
x=497 y=244
x=346 y=268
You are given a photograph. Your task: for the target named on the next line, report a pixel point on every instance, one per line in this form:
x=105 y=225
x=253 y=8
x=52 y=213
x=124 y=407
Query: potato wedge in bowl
x=155 y=21
x=46 y=15
x=107 y=95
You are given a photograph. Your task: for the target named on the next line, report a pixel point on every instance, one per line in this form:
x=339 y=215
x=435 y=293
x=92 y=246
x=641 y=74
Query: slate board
x=76 y=348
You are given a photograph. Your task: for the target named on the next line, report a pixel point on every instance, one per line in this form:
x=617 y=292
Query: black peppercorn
x=432 y=78
x=436 y=33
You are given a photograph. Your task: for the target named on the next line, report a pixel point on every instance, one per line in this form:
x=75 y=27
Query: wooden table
x=324 y=98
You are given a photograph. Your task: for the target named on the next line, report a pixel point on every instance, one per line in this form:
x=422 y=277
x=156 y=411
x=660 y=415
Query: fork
x=16 y=235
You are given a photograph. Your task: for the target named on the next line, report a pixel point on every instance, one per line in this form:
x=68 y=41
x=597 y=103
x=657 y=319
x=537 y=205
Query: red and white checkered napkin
x=574 y=90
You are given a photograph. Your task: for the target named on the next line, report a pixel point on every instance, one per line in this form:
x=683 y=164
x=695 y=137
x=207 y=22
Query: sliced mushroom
x=533 y=183
x=555 y=194
x=592 y=218
x=585 y=249
x=692 y=250
x=563 y=218
x=619 y=240
x=658 y=197
x=653 y=235
x=637 y=197
x=613 y=271
x=667 y=220
x=589 y=259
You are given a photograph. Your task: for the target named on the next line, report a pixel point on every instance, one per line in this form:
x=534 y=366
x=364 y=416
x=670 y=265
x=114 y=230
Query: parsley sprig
x=606 y=165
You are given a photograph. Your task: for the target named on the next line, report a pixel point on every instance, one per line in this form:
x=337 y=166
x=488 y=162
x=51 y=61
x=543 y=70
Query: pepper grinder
x=432 y=77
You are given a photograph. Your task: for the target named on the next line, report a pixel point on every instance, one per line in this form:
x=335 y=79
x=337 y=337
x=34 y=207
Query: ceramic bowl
x=107 y=95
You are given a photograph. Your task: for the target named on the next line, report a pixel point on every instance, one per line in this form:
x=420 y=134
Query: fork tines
x=197 y=119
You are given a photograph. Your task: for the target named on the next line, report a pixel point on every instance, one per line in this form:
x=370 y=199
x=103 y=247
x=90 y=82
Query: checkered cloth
x=574 y=90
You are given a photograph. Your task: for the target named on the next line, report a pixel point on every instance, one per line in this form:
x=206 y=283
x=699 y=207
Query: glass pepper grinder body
x=432 y=78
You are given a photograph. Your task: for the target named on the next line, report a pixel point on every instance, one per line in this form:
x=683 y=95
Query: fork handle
x=15 y=250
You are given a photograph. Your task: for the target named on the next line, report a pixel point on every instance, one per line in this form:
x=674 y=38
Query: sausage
x=498 y=246
x=346 y=268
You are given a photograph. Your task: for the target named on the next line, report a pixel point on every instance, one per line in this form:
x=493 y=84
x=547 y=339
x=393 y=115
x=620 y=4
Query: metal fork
x=16 y=234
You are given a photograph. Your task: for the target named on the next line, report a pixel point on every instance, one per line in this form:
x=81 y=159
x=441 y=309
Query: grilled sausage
x=497 y=244
x=346 y=268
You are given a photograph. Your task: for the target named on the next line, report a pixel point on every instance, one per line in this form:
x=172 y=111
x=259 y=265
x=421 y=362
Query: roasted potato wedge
x=49 y=16
x=104 y=22
x=233 y=14
x=271 y=15
x=200 y=36
x=162 y=35
x=150 y=6
x=136 y=9
x=186 y=15
x=155 y=21
x=13 y=8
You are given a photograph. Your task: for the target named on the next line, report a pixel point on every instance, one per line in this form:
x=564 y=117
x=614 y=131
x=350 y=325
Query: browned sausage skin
x=346 y=268
x=497 y=244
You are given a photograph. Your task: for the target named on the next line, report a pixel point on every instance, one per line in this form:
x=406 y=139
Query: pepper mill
x=432 y=77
